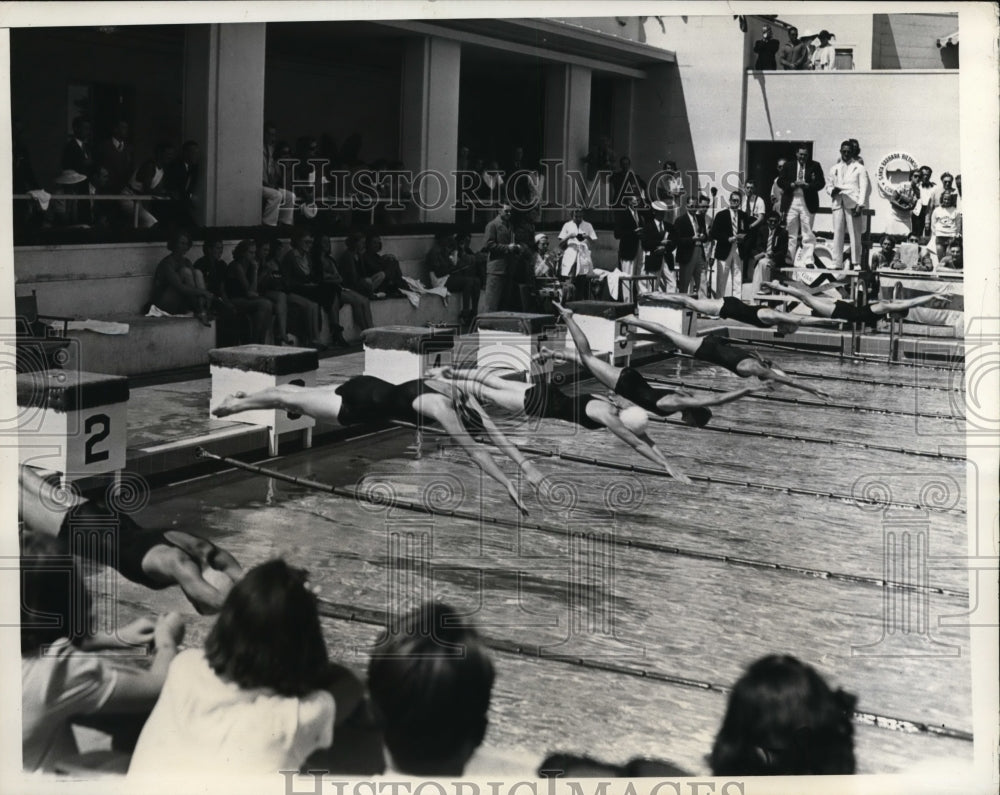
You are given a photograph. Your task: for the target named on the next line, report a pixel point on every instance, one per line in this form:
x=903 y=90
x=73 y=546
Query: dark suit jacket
x=180 y=182
x=685 y=234
x=651 y=239
x=119 y=165
x=722 y=230
x=79 y=160
x=780 y=252
x=626 y=234
x=815 y=181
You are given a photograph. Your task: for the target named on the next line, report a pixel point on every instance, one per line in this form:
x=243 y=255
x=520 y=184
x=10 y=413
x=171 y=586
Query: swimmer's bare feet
x=231 y=405
x=516 y=499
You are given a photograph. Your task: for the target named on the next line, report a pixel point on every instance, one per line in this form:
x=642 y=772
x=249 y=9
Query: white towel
x=98 y=326
x=42 y=197
x=155 y=311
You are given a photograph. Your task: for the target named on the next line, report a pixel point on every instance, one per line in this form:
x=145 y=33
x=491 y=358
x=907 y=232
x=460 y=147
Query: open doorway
x=762 y=161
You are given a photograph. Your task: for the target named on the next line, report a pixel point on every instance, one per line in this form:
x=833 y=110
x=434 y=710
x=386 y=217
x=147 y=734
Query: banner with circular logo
x=896 y=161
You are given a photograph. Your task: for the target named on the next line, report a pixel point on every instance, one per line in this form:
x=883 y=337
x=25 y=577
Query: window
x=844 y=58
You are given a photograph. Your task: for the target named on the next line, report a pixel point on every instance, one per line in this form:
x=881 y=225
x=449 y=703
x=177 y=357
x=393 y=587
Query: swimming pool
x=661 y=592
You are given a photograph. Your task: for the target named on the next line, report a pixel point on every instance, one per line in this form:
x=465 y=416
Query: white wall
x=885 y=111
x=690 y=112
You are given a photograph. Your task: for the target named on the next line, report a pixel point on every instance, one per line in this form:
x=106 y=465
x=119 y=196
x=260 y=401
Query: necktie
x=802 y=176
x=734 y=222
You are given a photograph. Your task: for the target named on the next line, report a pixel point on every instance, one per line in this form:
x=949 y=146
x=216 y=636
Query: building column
x=429 y=123
x=567 y=128
x=224 y=113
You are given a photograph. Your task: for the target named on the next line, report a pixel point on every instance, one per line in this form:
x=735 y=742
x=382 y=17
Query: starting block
x=251 y=368
x=599 y=322
x=398 y=354
x=509 y=340
x=656 y=310
x=82 y=415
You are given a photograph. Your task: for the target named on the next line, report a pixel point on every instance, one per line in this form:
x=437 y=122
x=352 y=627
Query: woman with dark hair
x=366 y=400
x=271 y=285
x=240 y=291
x=783 y=720
x=257 y=698
x=717 y=350
x=177 y=287
x=327 y=273
x=61 y=676
x=382 y=270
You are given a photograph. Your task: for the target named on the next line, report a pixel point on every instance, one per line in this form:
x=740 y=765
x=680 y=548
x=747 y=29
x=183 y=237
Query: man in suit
x=180 y=180
x=116 y=158
x=628 y=233
x=849 y=189
x=691 y=234
x=503 y=251
x=659 y=247
x=801 y=181
x=77 y=156
x=728 y=230
x=768 y=256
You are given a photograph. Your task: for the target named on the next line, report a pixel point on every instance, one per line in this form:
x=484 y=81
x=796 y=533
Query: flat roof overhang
x=549 y=40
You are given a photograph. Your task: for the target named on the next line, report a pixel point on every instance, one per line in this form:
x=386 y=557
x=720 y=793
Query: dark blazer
x=119 y=165
x=77 y=158
x=780 y=253
x=722 y=230
x=685 y=235
x=651 y=239
x=628 y=232
x=815 y=181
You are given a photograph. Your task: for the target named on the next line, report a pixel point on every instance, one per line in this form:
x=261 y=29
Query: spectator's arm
x=166 y=274
x=236 y=272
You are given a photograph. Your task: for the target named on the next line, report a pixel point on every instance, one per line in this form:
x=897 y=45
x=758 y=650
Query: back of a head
x=430 y=680
x=51 y=585
x=783 y=719
x=268 y=634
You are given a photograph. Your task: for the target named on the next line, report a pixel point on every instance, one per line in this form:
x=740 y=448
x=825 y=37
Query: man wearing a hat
x=77 y=167
x=659 y=247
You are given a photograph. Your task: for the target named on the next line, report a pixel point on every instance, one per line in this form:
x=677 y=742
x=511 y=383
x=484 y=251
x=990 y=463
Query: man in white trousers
x=849 y=188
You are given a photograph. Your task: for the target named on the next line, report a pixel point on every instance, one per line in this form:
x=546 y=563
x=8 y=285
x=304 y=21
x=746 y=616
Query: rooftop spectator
x=783 y=720
x=795 y=54
x=823 y=57
x=430 y=678
x=766 y=49
x=116 y=157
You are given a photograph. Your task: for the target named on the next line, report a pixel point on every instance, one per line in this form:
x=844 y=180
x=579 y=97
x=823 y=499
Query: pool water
x=692 y=582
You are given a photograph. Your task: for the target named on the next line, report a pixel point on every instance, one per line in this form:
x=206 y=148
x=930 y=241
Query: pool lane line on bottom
x=926 y=415
x=377 y=499
x=377 y=618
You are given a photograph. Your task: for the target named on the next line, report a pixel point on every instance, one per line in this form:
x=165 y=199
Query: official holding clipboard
x=849 y=188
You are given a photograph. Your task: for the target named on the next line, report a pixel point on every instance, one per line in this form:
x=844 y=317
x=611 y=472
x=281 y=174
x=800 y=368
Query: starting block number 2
x=97 y=428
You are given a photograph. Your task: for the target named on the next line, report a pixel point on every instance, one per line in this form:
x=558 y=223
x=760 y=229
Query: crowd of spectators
x=262 y=693
x=813 y=52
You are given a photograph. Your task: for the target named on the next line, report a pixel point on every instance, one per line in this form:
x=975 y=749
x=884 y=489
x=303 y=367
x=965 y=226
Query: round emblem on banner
x=896 y=161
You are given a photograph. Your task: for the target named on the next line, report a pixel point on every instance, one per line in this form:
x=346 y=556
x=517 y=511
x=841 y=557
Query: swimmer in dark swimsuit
x=148 y=557
x=868 y=314
x=543 y=399
x=730 y=308
x=717 y=350
x=365 y=400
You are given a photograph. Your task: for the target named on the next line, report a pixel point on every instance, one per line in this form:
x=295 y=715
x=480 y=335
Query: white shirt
x=852 y=179
x=577 y=251
x=823 y=57
x=202 y=723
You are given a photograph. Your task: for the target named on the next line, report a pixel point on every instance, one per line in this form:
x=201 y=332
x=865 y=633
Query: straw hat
x=70 y=177
x=660 y=206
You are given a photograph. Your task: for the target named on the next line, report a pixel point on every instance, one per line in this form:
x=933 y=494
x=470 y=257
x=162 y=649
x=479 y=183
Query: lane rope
x=361 y=615
x=627 y=543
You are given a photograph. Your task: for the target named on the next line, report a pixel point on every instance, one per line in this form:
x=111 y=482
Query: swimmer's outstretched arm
x=775 y=317
x=682 y=342
x=607 y=415
x=703 y=306
x=901 y=304
x=509 y=449
x=319 y=402
x=438 y=408
x=752 y=367
x=679 y=401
